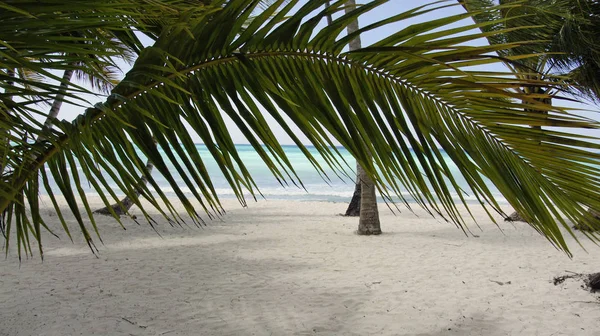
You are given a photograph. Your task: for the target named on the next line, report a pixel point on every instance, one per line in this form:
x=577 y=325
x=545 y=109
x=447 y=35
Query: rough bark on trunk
x=368 y=224
x=369 y=214
x=122 y=207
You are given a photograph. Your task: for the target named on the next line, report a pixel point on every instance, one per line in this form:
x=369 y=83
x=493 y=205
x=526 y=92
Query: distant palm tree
x=568 y=47
x=353 y=209
x=578 y=46
x=579 y=56
x=122 y=206
x=368 y=222
x=392 y=105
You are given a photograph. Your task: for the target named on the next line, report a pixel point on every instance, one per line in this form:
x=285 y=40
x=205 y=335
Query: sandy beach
x=296 y=268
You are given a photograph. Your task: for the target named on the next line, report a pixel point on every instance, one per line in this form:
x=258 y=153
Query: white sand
x=295 y=268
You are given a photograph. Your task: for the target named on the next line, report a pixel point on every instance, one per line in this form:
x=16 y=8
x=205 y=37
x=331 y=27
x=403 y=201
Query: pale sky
x=393 y=7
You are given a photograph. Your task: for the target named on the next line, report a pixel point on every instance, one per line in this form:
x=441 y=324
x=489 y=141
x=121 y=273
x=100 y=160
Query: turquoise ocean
x=335 y=189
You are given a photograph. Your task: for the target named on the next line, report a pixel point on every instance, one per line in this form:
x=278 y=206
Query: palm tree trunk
x=368 y=223
x=354 y=206
x=355 y=202
x=58 y=100
x=122 y=207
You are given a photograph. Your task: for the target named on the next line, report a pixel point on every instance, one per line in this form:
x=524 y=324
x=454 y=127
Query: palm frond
x=417 y=88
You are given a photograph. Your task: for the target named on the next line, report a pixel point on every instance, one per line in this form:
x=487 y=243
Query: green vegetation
x=421 y=87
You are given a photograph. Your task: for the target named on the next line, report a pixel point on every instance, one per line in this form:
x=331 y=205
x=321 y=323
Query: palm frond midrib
x=116 y=99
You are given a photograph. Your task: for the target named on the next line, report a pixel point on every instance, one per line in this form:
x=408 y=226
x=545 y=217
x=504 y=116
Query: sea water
x=333 y=187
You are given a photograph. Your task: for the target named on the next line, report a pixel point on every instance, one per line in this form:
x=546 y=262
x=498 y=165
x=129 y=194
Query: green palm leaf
x=417 y=88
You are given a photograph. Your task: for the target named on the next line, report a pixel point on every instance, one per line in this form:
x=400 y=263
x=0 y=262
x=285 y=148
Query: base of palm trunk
x=119 y=209
x=595 y=226
x=515 y=217
x=594 y=282
x=369 y=225
x=591 y=281
x=368 y=231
